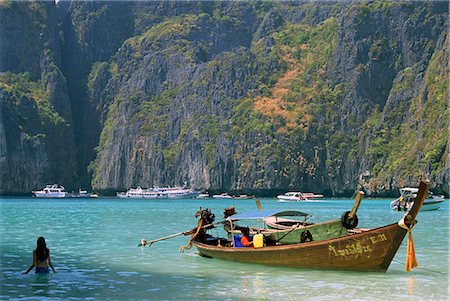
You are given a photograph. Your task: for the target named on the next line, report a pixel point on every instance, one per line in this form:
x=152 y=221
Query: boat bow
x=408 y=221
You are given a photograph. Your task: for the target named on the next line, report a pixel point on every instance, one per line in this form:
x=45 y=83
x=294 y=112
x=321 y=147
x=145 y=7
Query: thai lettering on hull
x=357 y=247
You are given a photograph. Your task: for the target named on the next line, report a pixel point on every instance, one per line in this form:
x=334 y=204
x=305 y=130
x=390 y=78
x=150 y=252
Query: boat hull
x=371 y=250
x=428 y=205
x=431 y=205
x=124 y=196
x=57 y=195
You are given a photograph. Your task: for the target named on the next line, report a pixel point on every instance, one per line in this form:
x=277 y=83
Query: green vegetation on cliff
x=301 y=92
x=419 y=144
x=20 y=85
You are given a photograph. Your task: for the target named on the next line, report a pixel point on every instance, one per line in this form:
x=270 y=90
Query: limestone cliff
x=36 y=138
x=256 y=97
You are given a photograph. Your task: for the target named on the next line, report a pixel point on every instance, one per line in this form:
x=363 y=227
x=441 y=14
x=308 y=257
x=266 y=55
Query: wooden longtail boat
x=364 y=250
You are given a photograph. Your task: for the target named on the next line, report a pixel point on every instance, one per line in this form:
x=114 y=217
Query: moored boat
x=177 y=193
x=362 y=250
x=407 y=196
x=244 y=197
x=82 y=194
x=203 y=196
x=222 y=196
x=138 y=193
x=51 y=191
x=160 y=193
x=293 y=196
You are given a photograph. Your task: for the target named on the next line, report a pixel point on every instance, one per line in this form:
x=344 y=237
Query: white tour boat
x=297 y=196
x=158 y=193
x=139 y=193
x=177 y=193
x=51 y=191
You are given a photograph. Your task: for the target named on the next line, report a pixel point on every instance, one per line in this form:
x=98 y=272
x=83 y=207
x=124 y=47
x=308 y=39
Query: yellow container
x=258 y=240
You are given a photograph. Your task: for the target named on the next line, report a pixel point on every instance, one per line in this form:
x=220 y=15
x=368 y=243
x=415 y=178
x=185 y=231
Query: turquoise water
x=94 y=249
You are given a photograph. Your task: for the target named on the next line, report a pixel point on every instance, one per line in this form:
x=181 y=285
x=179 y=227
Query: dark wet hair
x=41 y=249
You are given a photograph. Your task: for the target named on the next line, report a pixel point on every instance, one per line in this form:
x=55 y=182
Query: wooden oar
x=149 y=243
x=358 y=198
x=258 y=204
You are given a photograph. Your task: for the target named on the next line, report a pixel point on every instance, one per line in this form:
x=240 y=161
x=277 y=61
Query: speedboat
x=82 y=194
x=203 y=196
x=222 y=196
x=407 y=197
x=51 y=191
x=244 y=197
x=297 y=196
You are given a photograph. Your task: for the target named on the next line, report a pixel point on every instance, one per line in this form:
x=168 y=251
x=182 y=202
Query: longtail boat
x=284 y=230
x=363 y=250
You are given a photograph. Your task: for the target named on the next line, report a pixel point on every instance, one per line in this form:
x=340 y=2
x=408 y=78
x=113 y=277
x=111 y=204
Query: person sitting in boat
x=246 y=241
x=41 y=258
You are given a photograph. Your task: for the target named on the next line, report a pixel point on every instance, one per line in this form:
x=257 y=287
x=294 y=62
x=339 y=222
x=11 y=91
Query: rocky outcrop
x=380 y=40
x=247 y=97
x=382 y=56
x=36 y=138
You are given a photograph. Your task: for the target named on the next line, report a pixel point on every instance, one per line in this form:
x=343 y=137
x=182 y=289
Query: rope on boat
x=411 y=261
x=419 y=268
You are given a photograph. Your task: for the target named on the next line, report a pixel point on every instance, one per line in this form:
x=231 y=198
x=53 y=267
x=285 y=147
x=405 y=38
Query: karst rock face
x=228 y=96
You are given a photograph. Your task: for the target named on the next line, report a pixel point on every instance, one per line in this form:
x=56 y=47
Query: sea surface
x=93 y=244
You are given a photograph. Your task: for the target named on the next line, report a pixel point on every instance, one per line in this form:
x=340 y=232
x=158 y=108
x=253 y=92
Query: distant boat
x=222 y=196
x=203 y=196
x=138 y=193
x=177 y=193
x=407 y=197
x=297 y=196
x=51 y=191
x=158 y=193
x=82 y=194
x=244 y=197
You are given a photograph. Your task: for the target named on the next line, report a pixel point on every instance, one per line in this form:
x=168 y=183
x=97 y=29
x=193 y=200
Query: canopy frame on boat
x=267 y=213
x=260 y=215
